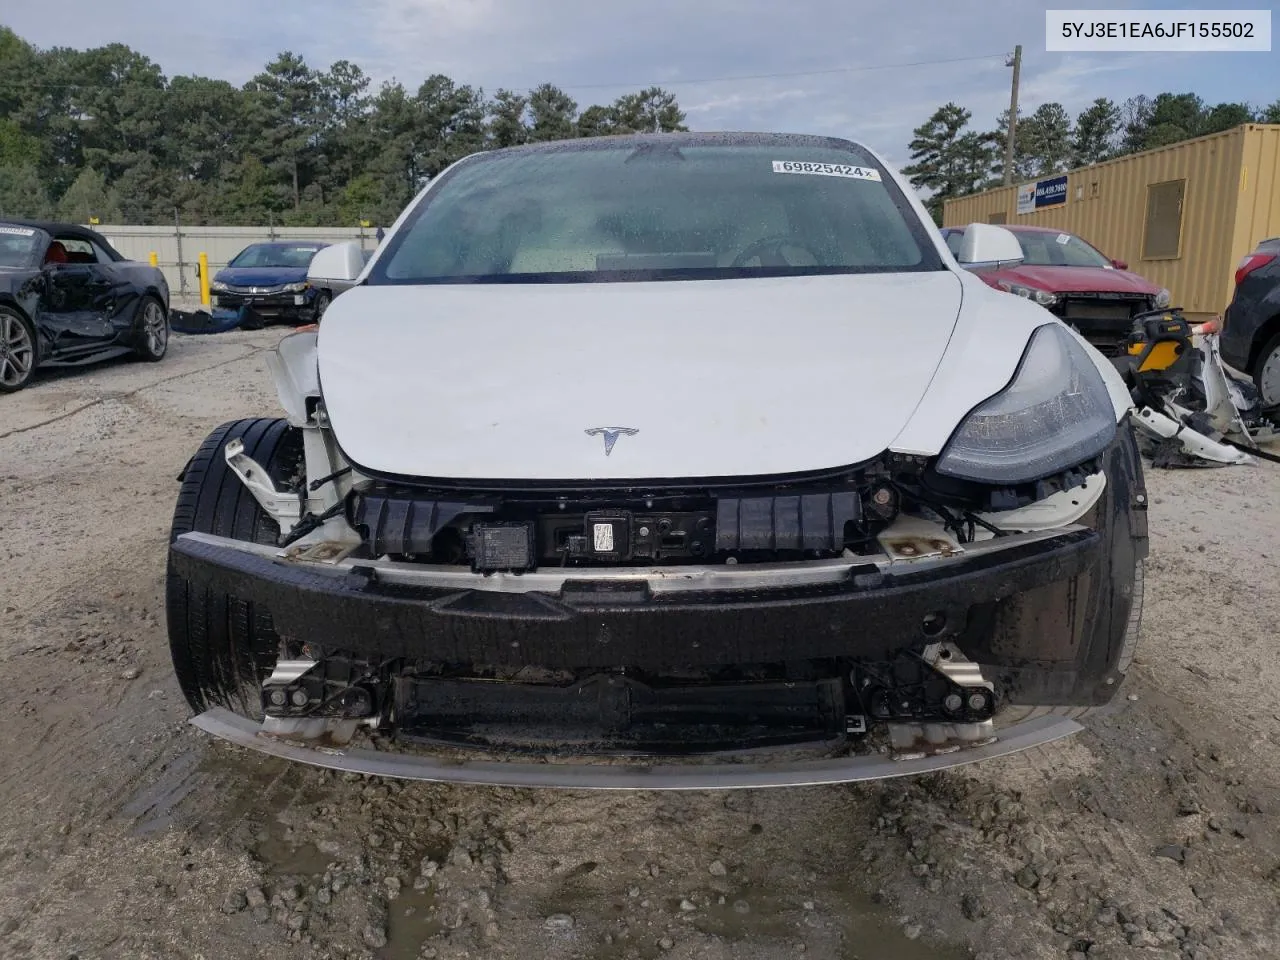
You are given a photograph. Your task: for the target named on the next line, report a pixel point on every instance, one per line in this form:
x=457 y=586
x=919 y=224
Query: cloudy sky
x=867 y=69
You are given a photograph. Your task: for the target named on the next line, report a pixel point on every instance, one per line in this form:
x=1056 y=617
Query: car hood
x=1079 y=279
x=718 y=377
x=261 y=276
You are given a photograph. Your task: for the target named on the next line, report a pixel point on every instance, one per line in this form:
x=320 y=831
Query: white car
x=668 y=444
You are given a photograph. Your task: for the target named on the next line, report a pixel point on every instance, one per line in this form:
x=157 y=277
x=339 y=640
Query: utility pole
x=1016 y=63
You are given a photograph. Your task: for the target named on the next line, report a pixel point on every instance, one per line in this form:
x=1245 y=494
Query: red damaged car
x=1074 y=281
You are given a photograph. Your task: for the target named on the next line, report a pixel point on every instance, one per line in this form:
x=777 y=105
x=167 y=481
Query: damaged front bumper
x=928 y=653
x=1018 y=610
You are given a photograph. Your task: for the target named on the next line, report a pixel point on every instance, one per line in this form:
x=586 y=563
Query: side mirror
x=985 y=244
x=341 y=262
x=1120 y=264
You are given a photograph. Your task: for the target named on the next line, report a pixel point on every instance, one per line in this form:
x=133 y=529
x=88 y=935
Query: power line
x=734 y=78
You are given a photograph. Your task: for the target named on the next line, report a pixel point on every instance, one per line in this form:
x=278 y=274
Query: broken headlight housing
x=1054 y=414
x=1042 y=297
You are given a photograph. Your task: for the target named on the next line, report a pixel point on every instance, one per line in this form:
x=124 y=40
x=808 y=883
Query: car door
x=77 y=300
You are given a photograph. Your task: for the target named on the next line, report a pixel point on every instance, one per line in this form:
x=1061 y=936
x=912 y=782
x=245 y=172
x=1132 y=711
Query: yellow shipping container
x=1182 y=216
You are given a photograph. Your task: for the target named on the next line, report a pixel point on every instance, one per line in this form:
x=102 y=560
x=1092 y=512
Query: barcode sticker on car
x=602 y=534
x=18 y=231
x=827 y=169
x=1064 y=238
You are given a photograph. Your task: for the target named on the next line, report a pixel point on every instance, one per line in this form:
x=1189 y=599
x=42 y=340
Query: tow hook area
x=302 y=703
x=971 y=701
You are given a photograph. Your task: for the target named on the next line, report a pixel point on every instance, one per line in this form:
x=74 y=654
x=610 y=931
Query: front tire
x=222 y=647
x=1266 y=373
x=17 y=350
x=151 y=330
x=322 y=304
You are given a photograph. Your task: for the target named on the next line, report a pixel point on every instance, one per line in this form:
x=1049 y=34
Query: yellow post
x=204 y=279
x=155 y=260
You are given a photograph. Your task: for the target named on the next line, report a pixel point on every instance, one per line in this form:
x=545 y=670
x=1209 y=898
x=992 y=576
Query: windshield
x=272 y=255
x=17 y=245
x=1058 y=250
x=658 y=209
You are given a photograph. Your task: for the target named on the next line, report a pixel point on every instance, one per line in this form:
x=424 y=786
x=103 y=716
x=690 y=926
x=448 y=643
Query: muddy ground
x=124 y=833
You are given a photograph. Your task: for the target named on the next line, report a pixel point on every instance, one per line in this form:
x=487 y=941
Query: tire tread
x=221 y=645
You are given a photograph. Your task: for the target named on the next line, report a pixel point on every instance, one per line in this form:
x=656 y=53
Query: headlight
x=218 y=286
x=1162 y=299
x=1054 y=414
x=295 y=287
x=1042 y=297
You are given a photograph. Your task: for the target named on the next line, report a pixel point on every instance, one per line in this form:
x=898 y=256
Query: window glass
x=657 y=211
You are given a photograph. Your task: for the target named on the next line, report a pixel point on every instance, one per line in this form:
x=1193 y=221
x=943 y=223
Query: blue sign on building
x=1051 y=192
x=1042 y=193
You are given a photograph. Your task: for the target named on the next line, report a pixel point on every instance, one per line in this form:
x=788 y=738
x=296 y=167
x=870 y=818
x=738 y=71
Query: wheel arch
x=153 y=290
x=1266 y=331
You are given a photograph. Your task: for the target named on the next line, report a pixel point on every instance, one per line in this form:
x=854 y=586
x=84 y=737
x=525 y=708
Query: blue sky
x=596 y=49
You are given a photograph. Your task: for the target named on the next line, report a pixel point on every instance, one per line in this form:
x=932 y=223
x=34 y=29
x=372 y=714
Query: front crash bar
x=632 y=775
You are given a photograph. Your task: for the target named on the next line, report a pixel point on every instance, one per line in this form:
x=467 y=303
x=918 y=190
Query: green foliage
x=89 y=197
x=23 y=193
x=946 y=159
x=950 y=160
x=1096 y=129
x=104 y=129
x=553 y=113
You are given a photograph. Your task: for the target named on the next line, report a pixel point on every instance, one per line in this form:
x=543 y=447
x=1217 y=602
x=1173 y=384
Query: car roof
x=1027 y=228
x=289 y=243
x=73 y=230
x=1014 y=228
x=700 y=139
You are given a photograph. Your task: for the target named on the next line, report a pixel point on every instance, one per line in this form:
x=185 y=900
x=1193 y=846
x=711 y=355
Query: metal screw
x=299 y=698
x=1141 y=498
x=277 y=698
x=977 y=701
x=643 y=531
x=882 y=496
x=953 y=702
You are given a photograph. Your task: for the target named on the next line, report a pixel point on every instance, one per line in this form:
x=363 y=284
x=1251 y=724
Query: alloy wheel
x=155 y=328
x=17 y=352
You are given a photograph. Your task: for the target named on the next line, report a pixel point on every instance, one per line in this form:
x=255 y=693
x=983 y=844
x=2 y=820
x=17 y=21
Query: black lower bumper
x=271 y=307
x=870 y=615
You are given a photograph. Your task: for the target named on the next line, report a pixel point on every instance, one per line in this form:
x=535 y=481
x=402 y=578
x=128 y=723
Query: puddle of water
x=871 y=933
x=301 y=859
x=411 y=919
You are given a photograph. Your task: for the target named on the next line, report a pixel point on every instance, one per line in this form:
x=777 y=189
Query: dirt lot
x=127 y=834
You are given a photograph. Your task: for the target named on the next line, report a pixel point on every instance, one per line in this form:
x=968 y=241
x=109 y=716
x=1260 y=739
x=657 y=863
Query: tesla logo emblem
x=611 y=435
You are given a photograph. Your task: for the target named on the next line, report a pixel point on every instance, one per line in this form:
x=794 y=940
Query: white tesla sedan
x=663 y=445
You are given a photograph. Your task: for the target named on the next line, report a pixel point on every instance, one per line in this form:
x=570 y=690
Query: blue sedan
x=270 y=279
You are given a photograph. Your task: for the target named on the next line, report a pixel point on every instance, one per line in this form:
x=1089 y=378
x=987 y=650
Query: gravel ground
x=127 y=834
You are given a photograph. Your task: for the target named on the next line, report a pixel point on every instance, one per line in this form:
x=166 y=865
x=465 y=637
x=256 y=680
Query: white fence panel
x=178 y=249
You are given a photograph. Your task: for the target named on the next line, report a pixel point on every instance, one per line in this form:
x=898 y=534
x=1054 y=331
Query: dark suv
x=1251 y=329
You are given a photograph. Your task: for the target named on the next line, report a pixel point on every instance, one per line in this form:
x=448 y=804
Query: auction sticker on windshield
x=18 y=231
x=826 y=169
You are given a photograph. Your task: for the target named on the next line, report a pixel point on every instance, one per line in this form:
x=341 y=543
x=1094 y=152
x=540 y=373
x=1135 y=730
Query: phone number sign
x=1043 y=193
